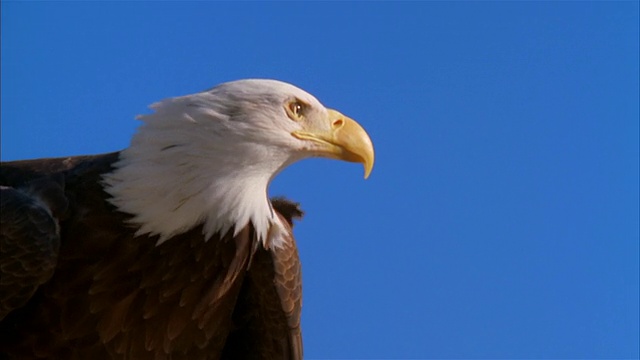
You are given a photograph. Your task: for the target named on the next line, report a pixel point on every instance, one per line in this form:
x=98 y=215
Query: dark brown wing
x=288 y=275
x=29 y=246
x=29 y=239
x=267 y=316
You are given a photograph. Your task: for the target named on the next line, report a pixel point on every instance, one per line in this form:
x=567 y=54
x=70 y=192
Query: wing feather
x=267 y=315
x=29 y=239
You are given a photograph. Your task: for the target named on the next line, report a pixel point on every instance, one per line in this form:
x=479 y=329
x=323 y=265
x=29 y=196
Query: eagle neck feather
x=173 y=178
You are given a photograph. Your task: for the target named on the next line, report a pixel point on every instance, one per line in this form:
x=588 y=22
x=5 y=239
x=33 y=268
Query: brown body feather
x=77 y=284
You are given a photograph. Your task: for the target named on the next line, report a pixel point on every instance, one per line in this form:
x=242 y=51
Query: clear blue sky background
x=501 y=219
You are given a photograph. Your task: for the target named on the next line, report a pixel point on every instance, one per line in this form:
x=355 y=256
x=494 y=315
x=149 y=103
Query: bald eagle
x=171 y=248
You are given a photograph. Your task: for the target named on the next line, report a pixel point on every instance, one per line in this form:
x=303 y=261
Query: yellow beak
x=345 y=140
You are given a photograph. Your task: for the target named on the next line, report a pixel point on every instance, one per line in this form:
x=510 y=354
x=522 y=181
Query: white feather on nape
x=208 y=158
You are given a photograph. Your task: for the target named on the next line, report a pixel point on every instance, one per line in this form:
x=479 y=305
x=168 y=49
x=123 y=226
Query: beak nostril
x=338 y=123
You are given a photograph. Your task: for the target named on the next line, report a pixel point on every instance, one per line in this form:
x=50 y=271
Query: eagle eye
x=295 y=110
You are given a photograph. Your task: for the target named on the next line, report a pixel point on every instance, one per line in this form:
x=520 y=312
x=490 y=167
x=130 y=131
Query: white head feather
x=208 y=158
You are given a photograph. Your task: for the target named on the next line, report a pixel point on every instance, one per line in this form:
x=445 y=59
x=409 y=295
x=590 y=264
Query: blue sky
x=501 y=219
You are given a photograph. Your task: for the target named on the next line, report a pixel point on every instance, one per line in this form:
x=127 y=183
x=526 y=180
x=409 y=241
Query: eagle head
x=208 y=158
